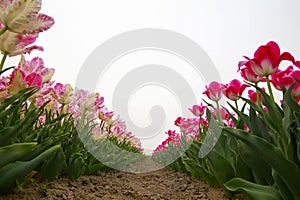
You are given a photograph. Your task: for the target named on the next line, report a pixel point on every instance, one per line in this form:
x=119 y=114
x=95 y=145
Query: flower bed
x=253 y=149
x=47 y=126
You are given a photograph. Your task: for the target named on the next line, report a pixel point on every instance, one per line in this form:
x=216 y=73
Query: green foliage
x=262 y=162
x=17 y=171
x=256 y=191
x=52 y=147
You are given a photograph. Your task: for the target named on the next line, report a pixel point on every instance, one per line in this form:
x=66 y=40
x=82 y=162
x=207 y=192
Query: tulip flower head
x=234 y=89
x=214 y=91
x=15 y=43
x=22 y=16
x=267 y=59
x=63 y=93
x=248 y=74
x=198 y=110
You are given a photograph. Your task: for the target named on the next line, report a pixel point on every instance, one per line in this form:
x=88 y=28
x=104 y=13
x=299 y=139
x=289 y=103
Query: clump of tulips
x=43 y=122
x=253 y=146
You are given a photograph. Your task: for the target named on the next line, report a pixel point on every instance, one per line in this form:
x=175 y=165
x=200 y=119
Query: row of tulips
x=45 y=126
x=253 y=147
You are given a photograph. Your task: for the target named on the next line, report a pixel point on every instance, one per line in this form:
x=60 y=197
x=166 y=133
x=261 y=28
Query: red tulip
x=177 y=122
x=234 y=89
x=285 y=79
x=267 y=59
x=214 y=91
x=248 y=74
x=277 y=77
x=253 y=96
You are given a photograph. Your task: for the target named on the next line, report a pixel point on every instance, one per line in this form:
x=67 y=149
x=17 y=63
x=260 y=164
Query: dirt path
x=162 y=184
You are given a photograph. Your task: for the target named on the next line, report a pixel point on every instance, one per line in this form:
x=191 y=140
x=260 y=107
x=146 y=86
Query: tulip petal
x=286 y=56
x=41 y=23
x=20 y=13
x=16 y=83
x=34 y=79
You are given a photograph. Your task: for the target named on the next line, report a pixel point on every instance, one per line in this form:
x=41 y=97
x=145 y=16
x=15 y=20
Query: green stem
x=3 y=61
x=5 y=28
x=270 y=88
x=257 y=95
x=218 y=112
x=236 y=105
x=199 y=126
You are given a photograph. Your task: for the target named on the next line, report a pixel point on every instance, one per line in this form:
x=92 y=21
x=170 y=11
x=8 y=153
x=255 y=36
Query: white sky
x=225 y=29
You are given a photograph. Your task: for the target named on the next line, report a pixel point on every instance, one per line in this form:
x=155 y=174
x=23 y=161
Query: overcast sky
x=225 y=29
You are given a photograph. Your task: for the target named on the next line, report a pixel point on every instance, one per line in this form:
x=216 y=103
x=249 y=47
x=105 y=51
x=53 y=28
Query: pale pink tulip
x=15 y=44
x=214 y=91
x=198 y=110
x=22 y=16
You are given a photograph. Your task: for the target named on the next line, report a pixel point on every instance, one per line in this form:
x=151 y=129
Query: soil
x=161 y=184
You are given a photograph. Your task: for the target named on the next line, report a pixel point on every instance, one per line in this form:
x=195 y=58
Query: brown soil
x=160 y=184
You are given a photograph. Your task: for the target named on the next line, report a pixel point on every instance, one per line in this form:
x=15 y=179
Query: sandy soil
x=161 y=184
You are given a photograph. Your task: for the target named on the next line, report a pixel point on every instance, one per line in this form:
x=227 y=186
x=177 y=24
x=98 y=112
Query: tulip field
x=249 y=147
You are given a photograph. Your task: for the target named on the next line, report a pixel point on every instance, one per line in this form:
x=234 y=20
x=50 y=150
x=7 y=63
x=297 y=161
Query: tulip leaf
x=256 y=191
x=262 y=172
x=287 y=170
x=258 y=126
x=221 y=168
x=285 y=192
x=76 y=167
x=16 y=172
x=53 y=166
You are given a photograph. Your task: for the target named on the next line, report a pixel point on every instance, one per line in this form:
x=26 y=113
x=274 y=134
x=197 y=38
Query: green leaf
x=53 y=166
x=14 y=152
x=257 y=126
x=244 y=119
x=261 y=171
x=16 y=172
x=285 y=192
x=221 y=168
x=288 y=171
x=242 y=170
x=77 y=166
x=22 y=96
x=256 y=191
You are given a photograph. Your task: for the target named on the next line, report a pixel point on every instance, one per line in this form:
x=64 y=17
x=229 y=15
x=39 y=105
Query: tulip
x=22 y=16
x=63 y=93
x=267 y=59
x=198 y=110
x=214 y=91
x=254 y=96
x=248 y=74
x=15 y=44
x=234 y=89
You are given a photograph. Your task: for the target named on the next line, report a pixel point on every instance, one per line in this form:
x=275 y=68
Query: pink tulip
x=234 y=89
x=198 y=110
x=267 y=59
x=63 y=93
x=19 y=80
x=15 y=43
x=36 y=65
x=214 y=91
